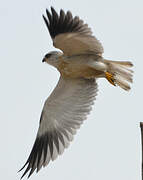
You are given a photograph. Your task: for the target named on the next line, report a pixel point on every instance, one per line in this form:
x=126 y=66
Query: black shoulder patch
x=63 y=23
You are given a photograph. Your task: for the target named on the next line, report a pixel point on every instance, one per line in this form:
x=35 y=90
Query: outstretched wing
x=71 y=34
x=63 y=113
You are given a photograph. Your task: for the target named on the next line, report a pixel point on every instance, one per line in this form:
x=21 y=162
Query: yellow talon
x=110 y=78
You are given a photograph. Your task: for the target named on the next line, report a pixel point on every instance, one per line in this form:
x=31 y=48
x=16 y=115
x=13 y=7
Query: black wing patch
x=40 y=147
x=64 y=23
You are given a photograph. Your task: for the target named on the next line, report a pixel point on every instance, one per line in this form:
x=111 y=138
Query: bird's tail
x=119 y=73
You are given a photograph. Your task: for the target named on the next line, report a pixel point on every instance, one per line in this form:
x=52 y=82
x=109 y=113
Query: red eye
x=47 y=55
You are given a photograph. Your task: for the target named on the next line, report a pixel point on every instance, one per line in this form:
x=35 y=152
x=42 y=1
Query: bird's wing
x=71 y=34
x=63 y=113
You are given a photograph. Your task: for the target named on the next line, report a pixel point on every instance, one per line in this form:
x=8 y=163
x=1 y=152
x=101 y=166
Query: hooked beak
x=43 y=60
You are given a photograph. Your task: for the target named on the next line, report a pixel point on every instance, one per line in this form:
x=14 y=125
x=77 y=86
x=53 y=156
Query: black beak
x=43 y=60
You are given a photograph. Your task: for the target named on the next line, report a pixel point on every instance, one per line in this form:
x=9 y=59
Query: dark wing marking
x=63 y=113
x=64 y=23
x=70 y=34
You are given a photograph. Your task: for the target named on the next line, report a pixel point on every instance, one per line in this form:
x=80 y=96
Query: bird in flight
x=80 y=63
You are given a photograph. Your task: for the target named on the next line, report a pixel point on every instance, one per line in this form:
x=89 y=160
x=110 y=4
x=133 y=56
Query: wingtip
x=23 y=166
x=29 y=174
x=52 y=8
x=43 y=16
x=45 y=20
x=22 y=176
x=25 y=172
x=47 y=11
x=20 y=169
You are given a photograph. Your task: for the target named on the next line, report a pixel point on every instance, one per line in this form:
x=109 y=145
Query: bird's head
x=52 y=58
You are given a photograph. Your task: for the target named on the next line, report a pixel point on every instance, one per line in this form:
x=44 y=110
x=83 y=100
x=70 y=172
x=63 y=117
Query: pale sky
x=107 y=146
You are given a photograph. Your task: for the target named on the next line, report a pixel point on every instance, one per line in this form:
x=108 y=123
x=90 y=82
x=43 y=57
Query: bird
x=80 y=62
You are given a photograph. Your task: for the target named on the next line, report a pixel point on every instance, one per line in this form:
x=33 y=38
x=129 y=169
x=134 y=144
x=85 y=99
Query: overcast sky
x=107 y=146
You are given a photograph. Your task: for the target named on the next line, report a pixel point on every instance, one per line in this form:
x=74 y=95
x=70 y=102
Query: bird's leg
x=110 y=78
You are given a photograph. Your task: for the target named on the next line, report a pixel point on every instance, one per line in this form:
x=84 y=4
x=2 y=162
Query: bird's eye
x=47 y=55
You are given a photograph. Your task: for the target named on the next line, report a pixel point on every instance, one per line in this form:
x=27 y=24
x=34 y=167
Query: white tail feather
x=120 y=81
x=122 y=75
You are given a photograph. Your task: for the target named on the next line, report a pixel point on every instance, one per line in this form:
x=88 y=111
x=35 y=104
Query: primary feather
x=63 y=113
